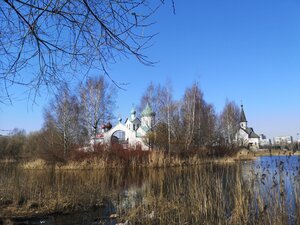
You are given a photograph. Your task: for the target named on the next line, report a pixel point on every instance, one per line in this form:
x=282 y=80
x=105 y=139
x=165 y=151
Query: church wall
x=131 y=128
x=146 y=121
x=242 y=137
x=130 y=136
x=254 y=142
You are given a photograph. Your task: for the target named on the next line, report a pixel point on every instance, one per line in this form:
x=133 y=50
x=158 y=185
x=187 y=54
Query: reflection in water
x=264 y=191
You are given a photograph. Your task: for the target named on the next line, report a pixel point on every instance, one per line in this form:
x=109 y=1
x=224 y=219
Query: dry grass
x=275 y=152
x=206 y=194
x=152 y=159
x=38 y=192
x=35 y=164
x=213 y=195
x=245 y=154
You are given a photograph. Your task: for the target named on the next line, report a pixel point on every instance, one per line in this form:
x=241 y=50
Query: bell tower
x=243 y=120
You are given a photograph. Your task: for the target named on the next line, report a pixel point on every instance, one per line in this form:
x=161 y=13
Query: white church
x=131 y=134
x=246 y=135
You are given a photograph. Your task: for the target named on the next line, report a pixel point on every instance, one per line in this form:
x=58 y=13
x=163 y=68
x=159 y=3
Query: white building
x=246 y=135
x=132 y=133
x=264 y=141
x=283 y=140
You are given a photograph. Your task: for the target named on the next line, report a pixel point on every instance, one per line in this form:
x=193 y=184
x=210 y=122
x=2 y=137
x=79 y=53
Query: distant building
x=131 y=134
x=246 y=135
x=264 y=141
x=283 y=140
x=262 y=137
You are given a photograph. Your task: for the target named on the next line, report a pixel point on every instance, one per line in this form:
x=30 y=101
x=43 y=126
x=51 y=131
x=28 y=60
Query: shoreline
x=155 y=159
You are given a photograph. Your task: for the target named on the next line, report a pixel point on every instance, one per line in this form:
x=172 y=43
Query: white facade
x=283 y=140
x=246 y=135
x=264 y=141
x=247 y=138
x=132 y=133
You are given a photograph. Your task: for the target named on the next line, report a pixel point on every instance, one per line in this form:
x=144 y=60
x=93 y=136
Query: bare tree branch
x=44 y=43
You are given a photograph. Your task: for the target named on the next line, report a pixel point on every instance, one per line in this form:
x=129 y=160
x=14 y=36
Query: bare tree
x=161 y=100
x=190 y=106
x=189 y=123
x=229 y=121
x=12 y=145
x=168 y=109
x=208 y=131
x=63 y=117
x=198 y=119
x=98 y=100
x=157 y=96
x=45 y=42
x=151 y=96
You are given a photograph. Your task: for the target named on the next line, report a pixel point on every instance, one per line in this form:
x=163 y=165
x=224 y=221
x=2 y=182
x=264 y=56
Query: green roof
x=148 y=111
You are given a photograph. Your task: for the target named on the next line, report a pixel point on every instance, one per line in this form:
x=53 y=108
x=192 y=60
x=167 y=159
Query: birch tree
x=62 y=116
x=161 y=100
x=97 y=98
x=229 y=121
x=198 y=119
x=209 y=125
x=191 y=96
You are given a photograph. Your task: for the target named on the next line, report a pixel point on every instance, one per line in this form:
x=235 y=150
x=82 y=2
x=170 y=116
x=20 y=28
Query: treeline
x=72 y=117
x=191 y=123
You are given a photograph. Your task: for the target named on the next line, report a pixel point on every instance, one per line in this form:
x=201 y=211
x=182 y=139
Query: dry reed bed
x=152 y=159
x=206 y=194
x=32 y=192
x=216 y=195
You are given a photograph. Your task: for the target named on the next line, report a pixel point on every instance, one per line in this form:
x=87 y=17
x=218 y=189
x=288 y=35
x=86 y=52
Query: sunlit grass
x=205 y=194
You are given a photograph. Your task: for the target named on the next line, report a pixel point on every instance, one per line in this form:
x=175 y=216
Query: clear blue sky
x=239 y=50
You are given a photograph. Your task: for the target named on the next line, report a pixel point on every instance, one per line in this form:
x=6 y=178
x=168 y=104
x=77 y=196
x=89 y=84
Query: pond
x=263 y=191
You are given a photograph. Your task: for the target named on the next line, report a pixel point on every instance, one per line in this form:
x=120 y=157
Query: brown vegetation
x=216 y=195
x=208 y=194
x=116 y=157
x=186 y=131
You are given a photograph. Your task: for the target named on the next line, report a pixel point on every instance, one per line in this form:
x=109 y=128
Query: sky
x=238 y=50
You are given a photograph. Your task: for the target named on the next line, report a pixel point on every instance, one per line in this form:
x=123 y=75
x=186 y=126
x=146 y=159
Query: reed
x=120 y=159
x=216 y=195
x=205 y=194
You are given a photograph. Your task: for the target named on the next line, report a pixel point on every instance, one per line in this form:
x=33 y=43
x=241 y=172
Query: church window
x=133 y=126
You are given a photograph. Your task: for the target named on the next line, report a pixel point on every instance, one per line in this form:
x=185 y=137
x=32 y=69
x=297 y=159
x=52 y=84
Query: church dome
x=148 y=111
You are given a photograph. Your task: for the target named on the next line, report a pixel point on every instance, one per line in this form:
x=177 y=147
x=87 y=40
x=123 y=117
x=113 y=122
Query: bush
x=111 y=154
x=12 y=145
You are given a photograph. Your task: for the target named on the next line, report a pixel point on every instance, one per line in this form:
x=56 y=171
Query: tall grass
x=206 y=194
x=216 y=195
x=102 y=157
